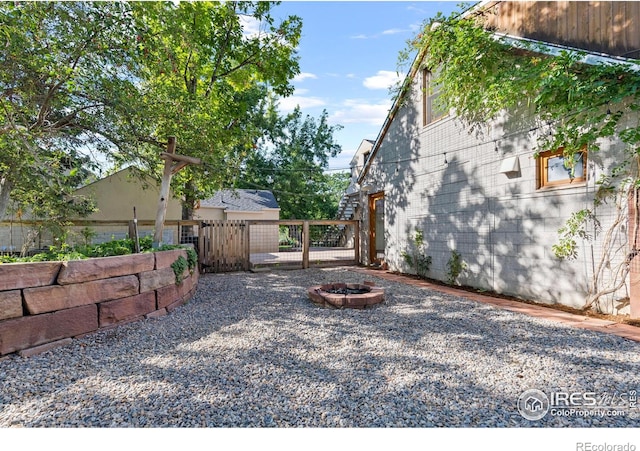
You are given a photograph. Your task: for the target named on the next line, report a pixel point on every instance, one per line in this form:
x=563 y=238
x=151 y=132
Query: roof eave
x=392 y=112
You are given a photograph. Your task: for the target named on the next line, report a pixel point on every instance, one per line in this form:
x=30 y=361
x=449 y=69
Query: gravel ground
x=250 y=350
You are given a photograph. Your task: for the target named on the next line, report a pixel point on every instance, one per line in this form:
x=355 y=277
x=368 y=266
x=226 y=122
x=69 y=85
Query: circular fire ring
x=346 y=295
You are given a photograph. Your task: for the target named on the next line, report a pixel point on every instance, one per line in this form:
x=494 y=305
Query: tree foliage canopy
x=118 y=78
x=60 y=74
x=207 y=70
x=292 y=161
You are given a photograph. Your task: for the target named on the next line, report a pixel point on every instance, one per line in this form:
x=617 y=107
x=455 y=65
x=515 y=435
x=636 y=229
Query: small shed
x=239 y=204
x=245 y=204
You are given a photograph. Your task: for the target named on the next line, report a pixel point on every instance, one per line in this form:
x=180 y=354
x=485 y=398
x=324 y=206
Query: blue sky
x=348 y=59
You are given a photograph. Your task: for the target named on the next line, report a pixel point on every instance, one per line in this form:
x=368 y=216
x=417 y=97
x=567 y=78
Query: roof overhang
x=253 y=212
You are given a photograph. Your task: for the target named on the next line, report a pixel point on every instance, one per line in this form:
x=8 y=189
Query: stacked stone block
x=47 y=303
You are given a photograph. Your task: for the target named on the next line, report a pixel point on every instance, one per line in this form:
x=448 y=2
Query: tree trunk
x=188 y=207
x=189 y=202
x=6 y=186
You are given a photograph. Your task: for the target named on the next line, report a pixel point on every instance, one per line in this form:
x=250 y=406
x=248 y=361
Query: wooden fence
x=257 y=245
x=222 y=246
x=30 y=236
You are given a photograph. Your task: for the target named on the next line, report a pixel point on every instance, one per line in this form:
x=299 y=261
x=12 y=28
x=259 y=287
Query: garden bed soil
x=623 y=319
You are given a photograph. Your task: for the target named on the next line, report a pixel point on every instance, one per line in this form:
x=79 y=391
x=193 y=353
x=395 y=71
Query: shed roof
x=241 y=200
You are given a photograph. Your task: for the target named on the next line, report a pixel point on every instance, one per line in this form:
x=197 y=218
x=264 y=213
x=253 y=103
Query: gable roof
x=365 y=146
x=242 y=200
x=129 y=172
x=588 y=57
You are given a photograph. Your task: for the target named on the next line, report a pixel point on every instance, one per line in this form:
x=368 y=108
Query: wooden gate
x=224 y=246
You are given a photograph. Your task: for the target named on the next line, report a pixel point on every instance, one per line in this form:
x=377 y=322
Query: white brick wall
x=501 y=224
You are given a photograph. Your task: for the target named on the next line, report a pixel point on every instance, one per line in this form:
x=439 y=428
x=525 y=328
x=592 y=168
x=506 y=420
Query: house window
x=431 y=111
x=553 y=169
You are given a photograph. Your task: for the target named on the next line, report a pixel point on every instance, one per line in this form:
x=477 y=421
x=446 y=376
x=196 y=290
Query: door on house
x=376 y=228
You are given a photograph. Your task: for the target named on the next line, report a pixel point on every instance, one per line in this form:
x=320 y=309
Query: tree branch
x=221 y=51
x=67 y=119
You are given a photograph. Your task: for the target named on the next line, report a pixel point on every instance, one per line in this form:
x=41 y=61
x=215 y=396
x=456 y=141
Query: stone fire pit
x=346 y=295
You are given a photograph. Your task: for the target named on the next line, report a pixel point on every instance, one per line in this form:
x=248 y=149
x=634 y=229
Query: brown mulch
x=623 y=319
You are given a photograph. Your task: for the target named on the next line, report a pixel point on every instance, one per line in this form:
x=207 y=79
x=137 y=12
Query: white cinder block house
x=485 y=196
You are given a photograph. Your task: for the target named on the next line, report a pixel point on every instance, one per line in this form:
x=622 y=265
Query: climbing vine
x=415 y=256
x=179 y=267
x=482 y=75
x=455 y=266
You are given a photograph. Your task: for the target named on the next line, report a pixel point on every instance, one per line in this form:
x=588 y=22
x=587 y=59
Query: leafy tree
x=291 y=162
x=61 y=77
x=205 y=79
x=337 y=183
x=117 y=78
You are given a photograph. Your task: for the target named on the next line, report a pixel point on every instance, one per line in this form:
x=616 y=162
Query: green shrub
x=111 y=248
x=455 y=266
x=416 y=256
x=108 y=249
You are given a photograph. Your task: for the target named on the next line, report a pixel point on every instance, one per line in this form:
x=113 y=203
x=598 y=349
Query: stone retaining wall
x=45 y=304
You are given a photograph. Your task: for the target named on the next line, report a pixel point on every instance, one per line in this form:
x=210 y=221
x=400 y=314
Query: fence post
x=305 y=244
x=356 y=241
x=132 y=233
x=247 y=245
x=201 y=249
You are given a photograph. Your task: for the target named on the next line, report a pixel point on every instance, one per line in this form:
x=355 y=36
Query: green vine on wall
x=573 y=105
x=415 y=256
x=179 y=267
x=455 y=266
x=481 y=75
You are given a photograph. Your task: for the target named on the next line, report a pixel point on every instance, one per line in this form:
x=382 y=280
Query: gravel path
x=252 y=350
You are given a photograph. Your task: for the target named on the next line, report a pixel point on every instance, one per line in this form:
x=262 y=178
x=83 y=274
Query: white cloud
x=250 y=26
x=412 y=28
x=357 y=111
x=417 y=10
x=304 y=75
x=394 y=31
x=290 y=103
x=384 y=79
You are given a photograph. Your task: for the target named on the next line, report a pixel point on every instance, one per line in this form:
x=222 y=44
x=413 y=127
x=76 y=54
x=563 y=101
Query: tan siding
x=116 y=195
x=607 y=27
x=595 y=29
x=209 y=214
x=618 y=19
x=632 y=26
x=573 y=20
